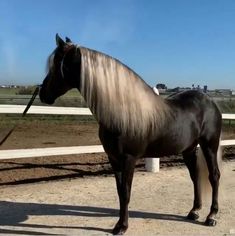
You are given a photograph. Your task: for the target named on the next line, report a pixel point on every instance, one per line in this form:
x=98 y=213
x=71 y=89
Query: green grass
x=10 y=96
x=227 y=106
x=7 y=120
x=9 y=91
x=72 y=93
x=229 y=122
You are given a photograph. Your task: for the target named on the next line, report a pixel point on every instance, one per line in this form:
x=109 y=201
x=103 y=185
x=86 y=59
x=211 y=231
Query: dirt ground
x=89 y=206
x=76 y=195
x=38 y=133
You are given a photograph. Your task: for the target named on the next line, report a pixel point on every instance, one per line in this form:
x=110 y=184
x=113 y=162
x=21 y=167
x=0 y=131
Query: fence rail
x=18 y=109
x=53 y=151
x=152 y=165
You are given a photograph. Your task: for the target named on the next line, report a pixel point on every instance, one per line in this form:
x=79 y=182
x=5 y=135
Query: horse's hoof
x=119 y=230
x=192 y=215
x=210 y=222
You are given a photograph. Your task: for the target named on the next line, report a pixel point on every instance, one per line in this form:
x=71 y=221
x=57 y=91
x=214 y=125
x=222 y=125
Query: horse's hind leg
x=210 y=152
x=190 y=159
x=124 y=170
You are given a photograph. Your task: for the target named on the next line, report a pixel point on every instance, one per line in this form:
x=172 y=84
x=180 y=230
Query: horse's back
x=200 y=107
x=193 y=100
x=185 y=98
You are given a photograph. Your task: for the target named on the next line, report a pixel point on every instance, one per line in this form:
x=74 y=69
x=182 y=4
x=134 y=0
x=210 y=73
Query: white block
x=152 y=164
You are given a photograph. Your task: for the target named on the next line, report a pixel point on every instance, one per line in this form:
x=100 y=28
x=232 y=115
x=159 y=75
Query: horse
x=134 y=122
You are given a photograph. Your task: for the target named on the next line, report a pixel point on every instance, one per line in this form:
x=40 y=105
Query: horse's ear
x=68 y=40
x=59 y=41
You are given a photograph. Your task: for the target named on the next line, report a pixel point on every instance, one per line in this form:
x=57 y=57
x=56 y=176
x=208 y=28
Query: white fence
x=42 y=152
x=14 y=109
x=152 y=164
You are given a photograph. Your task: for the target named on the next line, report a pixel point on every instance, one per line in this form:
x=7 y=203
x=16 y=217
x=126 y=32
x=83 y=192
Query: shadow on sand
x=16 y=213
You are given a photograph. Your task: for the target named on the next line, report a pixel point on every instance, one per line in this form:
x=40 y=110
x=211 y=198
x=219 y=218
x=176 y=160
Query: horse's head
x=63 y=71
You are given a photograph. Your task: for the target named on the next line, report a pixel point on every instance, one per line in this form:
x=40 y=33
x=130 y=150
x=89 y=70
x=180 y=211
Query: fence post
x=152 y=164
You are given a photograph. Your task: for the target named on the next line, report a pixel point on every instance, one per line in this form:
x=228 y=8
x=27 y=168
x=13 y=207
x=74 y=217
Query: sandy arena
x=76 y=195
x=89 y=206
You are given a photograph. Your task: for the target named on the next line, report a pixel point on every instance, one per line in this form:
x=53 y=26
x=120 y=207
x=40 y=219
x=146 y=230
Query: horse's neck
x=118 y=96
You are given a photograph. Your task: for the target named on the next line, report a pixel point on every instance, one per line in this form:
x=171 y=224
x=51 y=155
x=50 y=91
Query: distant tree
x=26 y=90
x=161 y=86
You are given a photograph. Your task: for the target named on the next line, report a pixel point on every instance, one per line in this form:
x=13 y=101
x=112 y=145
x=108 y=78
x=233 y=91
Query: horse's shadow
x=16 y=213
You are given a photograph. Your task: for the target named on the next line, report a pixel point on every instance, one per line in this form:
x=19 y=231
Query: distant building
x=8 y=86
x=179 y=89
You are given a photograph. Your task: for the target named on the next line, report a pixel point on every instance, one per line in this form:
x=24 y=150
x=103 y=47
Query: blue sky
x=176 y=42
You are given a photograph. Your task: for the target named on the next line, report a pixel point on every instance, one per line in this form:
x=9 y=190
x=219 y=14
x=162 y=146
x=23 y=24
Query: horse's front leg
x=124 y=177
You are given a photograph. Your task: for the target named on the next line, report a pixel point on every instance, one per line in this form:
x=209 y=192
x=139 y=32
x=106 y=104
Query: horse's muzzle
x=44 y=98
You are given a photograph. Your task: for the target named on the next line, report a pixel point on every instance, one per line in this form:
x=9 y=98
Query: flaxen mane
x=117 y=96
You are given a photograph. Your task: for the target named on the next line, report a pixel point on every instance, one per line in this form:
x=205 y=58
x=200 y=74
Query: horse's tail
x=205 y=186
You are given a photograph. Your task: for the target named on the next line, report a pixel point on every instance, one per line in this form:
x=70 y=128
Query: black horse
x=134 y=122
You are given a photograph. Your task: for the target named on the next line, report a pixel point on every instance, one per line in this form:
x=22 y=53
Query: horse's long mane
x=117 y=96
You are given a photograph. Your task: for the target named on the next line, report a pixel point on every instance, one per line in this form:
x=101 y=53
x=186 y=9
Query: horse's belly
x=159 y=152
x=166 y=148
